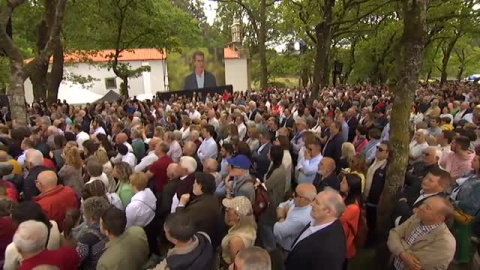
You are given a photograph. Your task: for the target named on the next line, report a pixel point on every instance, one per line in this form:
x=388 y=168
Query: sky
x=210 y=8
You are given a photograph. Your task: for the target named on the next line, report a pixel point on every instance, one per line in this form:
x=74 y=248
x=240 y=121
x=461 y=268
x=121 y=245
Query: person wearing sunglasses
x=418 y=170
x=374 y=183
x=293 y=215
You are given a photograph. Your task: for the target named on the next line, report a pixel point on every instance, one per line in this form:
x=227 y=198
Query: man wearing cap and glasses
x=293 y=215
x=238 y=182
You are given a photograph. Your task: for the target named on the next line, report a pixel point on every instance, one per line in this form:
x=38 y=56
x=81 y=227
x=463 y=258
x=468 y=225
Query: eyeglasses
x=381 y=149
x=295 y=195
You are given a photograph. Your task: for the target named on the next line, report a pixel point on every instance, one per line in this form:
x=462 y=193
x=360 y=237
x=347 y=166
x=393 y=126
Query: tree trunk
x=262 y=49
x=410 y=62
x=447 y=52
x=16 y=92
x=39 y=75
x=124 y=87
x=56 y=75
x=323 y=33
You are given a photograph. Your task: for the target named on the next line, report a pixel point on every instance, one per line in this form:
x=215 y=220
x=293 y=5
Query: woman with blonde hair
x=348 y=151
x=101 y=156
x=71 y=172
x=121 y=174
x=252 y=140
x=358 y=166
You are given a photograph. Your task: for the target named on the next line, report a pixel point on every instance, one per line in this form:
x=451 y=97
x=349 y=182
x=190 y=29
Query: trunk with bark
x=39 y=75
x=323 y=34
x=410 y=62
x=124 y=87
x=447 y=52
x=56 y=75
x=16 y=92
x=262 y=48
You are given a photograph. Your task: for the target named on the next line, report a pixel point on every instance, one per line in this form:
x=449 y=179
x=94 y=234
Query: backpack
x=261 y=199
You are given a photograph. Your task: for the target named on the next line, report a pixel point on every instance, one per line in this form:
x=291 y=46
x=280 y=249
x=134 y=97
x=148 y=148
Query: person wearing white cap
x=243 y=229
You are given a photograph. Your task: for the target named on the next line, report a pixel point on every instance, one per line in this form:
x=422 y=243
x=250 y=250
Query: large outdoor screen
x=196 y=68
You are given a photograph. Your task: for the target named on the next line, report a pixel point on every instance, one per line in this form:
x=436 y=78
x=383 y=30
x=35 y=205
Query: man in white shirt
x=212 y=119
x=208 y=148
x=293 y=215
x=192 y=113
x=150 y=158
x=175 y=152
x=417 y=146
x=81 y=135
x=308 y=166
x=242 y=129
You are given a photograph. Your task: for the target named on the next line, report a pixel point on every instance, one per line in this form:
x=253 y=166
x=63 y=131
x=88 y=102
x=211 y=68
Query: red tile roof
x=102 y=55
x=229 y=53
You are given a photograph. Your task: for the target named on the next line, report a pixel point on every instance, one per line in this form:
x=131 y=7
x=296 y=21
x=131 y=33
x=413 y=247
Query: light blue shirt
x=287 y=231
x=311 y=230
x=200 y=79
x=310 y=168
x=208 y=149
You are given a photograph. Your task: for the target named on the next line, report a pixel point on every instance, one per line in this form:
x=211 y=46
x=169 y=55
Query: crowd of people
x=243 y=180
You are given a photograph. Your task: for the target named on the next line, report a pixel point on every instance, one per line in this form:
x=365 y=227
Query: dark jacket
x=261 y=160
x=331 y=181
x=276 y=194
x=333 y=148
x=252 y=114
x=30 y=190
x=352 y=127
x=378 y=182
x=199 y=255
x=404 y=209
x=190 y=82
x=164 y=198
x=203 y=211
x=415 y=175
x=287 y=122
x=324 y=249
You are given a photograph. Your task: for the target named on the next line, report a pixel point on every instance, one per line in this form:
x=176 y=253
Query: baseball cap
x=240 y=204
x=239 y=161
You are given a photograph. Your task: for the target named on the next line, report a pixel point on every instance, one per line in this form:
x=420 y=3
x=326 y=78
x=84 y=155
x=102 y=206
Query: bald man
x=150 y=158
x=326 y=176
x=293 y=215
x=324 y=235
x=54 y=199
x=437 y=246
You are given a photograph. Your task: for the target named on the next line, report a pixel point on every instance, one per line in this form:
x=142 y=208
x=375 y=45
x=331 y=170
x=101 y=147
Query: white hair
x=34 y=156
x=31 y=236
x=188 y=163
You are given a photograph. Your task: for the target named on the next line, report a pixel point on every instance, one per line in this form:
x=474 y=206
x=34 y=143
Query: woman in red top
x=351 y=189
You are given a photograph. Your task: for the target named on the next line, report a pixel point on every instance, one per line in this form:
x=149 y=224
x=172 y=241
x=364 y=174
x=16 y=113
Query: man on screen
x=200 y=78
